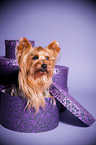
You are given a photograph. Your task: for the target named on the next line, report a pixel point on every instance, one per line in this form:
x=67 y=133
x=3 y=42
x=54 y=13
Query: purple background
x=73 y=24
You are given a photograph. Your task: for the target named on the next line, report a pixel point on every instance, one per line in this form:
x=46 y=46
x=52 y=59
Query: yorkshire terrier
x=36 y=71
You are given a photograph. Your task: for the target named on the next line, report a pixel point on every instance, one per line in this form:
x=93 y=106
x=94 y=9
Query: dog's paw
x=53 y=101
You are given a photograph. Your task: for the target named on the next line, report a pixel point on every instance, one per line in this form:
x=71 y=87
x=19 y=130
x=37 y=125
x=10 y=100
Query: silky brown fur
x=34 y=81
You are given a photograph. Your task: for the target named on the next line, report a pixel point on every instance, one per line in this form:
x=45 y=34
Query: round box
x=16 y=118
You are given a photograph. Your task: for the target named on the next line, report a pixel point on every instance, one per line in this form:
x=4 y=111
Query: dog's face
x=37 y=62
x=40 y=62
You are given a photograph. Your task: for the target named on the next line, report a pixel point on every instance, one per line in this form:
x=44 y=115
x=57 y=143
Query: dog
x=36 y=67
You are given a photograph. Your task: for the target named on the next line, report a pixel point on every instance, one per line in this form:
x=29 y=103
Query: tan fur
x=32 y=80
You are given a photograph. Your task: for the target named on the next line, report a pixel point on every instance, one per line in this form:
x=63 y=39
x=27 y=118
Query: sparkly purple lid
x=71 y=104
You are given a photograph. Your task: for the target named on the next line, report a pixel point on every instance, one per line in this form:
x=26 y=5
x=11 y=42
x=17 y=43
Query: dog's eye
x=47 y=58
x=35 y=57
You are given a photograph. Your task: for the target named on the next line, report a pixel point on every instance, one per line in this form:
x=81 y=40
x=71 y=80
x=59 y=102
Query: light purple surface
x=74 y=26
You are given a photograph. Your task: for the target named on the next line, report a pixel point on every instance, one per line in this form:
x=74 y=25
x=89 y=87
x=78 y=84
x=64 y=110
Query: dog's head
x=36 y=62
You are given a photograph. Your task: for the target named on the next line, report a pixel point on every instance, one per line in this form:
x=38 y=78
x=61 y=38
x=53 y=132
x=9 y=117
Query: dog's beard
x=40 y=80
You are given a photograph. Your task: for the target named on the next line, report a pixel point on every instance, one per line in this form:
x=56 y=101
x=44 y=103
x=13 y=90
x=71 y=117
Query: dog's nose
x=44 y=66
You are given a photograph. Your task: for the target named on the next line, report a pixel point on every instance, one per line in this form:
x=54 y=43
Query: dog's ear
x=21 y=47
x=54 y=46
x=24 y=43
